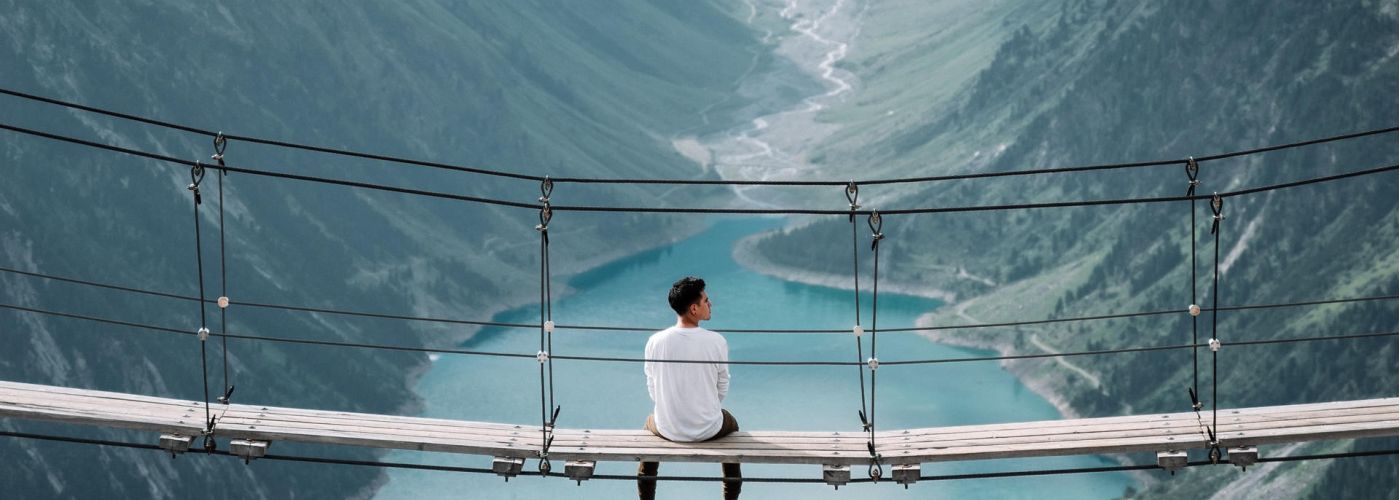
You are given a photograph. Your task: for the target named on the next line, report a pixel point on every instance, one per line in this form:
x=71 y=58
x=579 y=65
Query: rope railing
x=649 y=330
x=434 y=350
x=737 y=182
x=693 y=210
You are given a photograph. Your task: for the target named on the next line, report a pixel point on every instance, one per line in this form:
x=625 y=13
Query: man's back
x=687 y=395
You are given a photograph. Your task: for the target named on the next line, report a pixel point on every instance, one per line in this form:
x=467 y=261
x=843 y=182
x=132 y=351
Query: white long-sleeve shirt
x=687 y=395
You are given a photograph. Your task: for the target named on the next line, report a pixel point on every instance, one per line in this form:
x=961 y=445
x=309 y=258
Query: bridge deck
x=1156 y=432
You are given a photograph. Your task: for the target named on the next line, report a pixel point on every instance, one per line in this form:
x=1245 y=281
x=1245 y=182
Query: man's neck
x=683 y=322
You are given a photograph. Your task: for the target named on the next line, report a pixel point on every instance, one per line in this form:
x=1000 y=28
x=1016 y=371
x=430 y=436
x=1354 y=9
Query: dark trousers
x=646 y=488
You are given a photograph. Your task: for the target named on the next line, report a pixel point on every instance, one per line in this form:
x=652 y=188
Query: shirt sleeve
x=722 y=380
x=650 y=373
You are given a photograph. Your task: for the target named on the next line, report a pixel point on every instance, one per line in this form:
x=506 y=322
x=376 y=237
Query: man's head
x=689 y=300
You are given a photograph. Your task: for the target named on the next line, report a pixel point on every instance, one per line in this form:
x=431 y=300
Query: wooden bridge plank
x=1157 y=432
x=1175 y=426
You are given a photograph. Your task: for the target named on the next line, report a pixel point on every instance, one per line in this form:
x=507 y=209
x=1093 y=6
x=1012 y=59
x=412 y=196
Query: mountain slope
x=1098 y=82
x=530 y=87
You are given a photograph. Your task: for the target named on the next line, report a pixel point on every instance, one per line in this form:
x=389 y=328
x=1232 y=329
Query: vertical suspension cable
x=874 y=363
x=220 y=142
x=1195 y=309
x=197 y=175
x=549 y=323
x=853 y=195
x=546 y=332
x=1216 y=206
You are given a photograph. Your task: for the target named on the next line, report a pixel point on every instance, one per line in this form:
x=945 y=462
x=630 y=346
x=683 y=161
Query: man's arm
x=650 y=372
x=722 y=381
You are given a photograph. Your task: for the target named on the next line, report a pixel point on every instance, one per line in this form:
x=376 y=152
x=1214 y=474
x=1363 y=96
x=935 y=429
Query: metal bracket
x=579 y=470
x=905 y=474
x=507 y=467
x=1172 y=461
x=1244 y=456
x=175 y=443
x=836 y=475
x=248 y=449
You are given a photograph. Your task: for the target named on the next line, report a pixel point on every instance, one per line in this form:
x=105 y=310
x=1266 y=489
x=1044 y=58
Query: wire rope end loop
x=1192 y=168
x=203 y=333
x=853 y=196
x=220 y=144
x=1194 y=310
x=196 y=176
x=876 y=224
x=876 y=471
x=542 y=356
x=1217 y=204
x=858 y=330
x=544 y=466
x=546 y=213
x=1214 y=345
x=546 y=188
x=873 y=363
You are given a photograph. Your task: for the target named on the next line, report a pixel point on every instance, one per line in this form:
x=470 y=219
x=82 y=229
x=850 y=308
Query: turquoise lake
x=613 y=395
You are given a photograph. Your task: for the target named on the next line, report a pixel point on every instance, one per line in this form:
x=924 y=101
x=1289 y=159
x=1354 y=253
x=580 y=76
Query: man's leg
x=646 y=489
x=731 y=488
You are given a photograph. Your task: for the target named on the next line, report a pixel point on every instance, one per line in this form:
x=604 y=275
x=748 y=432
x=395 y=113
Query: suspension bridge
x=1229 y=435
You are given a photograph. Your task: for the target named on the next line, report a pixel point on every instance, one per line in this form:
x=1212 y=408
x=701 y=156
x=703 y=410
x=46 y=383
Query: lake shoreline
x=746 y=253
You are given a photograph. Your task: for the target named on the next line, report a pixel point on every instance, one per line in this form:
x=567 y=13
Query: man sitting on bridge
x=688 y=395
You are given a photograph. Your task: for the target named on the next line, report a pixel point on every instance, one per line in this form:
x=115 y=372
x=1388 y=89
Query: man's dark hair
x=684 y=292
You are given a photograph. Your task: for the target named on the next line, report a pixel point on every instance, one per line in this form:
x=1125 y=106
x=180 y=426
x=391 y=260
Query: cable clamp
x=203 y=334
x=549 y=326
x=1191 y=170
x=223 y=302
x=196 y=176
x=875 y=224
x=1216 y=205
x=873 y=363
x=1214 y=345
x=1195 y=310
x=858 y=330
x=542 y=356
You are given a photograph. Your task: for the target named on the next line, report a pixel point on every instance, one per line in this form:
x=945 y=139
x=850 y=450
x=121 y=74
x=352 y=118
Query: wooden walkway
x=258 y=425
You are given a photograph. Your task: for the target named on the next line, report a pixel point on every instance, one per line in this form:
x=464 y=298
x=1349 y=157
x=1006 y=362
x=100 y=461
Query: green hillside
x=540 y=88
x=1087 y=81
